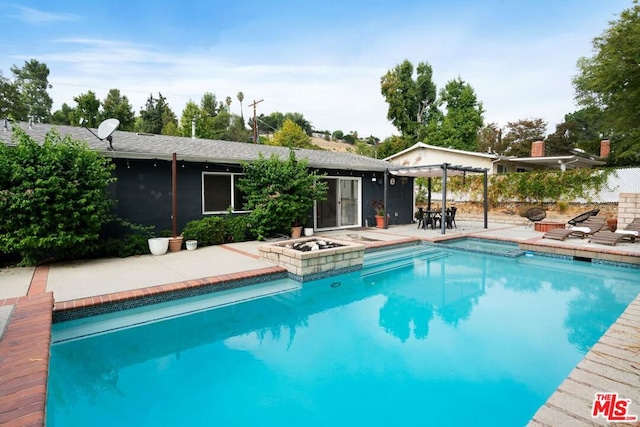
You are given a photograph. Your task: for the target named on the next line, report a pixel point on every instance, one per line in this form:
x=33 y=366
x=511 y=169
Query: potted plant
x=378 y=206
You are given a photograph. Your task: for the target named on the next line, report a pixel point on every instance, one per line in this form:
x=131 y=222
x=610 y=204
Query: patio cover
x=443 y=171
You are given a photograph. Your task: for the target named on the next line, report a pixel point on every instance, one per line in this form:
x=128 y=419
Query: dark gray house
x=208 y=169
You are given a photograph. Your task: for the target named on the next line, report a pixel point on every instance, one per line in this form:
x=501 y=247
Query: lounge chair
x=606 y=237
x=583 y=217
x=535 y=215
x=587 y=228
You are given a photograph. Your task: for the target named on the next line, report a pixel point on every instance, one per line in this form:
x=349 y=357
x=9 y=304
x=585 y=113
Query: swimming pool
x=422 y=335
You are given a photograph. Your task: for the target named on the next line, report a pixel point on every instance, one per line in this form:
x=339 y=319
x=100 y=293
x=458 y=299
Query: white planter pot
x=308 y=231
x=158 y=245
x=192 y=245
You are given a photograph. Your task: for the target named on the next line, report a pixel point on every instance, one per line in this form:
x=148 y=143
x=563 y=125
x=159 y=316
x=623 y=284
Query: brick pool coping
x=25 y=346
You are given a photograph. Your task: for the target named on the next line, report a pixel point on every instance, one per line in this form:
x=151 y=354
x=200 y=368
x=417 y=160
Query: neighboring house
x=208 y=170
x=421 y=154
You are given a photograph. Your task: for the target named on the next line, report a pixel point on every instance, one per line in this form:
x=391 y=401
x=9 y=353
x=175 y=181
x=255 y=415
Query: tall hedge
x=54 y=197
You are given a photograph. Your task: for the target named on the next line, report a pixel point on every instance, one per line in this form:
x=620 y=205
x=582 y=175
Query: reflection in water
x=399 y=315
x=434 y=328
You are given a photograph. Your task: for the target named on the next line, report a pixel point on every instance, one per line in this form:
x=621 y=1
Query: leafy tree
x=299 y=119
x=279 y=193
x=463 y=118
x=350 y=138
x=610 y=81
x=275 y=121
x=210 y=105
x=364 y=149
x=338 y=135
x=519 y=136
x=411 y=102
x=9 y=99
x=223 y=126
x=54 y=197
x=190 y=112
x=32 y=82
x=490 y=139
x=87 y=108
x=589 y=126
x=117 y=106
x=392 y=145
x=157 y=117
x=291 y=135
x=562 y=140
x=64 y=116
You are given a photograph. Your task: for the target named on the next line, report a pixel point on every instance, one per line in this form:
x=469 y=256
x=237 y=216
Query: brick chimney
x=537 y=149
x=605 y=148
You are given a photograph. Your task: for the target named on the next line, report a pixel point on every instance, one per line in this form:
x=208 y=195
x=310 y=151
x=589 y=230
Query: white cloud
x=37 y=17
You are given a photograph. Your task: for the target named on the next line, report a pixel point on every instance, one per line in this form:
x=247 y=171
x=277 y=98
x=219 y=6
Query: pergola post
x=443 y=216
x=386 y=207
x=486 y=201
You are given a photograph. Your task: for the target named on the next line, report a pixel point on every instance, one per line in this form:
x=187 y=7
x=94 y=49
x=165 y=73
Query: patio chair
x=606 y=237
x=450 y=217
x=587 y=228
x=535 y=215
x=583 y=217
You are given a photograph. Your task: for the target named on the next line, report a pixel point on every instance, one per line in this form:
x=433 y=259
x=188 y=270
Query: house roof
x=447 y=150
x=569 y=162
x=131 y=145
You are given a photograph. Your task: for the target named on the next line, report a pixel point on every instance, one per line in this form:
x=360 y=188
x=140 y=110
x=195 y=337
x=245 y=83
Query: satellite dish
x=107 y=127
x=105 y=130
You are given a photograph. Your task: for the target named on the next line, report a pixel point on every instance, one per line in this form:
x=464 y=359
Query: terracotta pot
x=379 y=221
x=296 y=232
x=175 y=244
x=613 y=224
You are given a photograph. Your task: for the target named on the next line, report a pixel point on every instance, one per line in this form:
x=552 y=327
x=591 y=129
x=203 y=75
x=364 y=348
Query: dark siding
x=143 y=191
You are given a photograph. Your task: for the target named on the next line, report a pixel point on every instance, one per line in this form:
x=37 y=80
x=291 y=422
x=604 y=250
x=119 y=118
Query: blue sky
x=320 y=58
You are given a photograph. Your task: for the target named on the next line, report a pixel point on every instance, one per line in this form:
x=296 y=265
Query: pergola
x=443 y=171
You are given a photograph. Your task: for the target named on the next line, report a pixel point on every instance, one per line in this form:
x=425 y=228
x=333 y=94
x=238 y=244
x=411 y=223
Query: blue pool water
x=421 y=336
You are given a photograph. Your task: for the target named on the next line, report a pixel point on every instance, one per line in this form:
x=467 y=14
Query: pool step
x=392 y=259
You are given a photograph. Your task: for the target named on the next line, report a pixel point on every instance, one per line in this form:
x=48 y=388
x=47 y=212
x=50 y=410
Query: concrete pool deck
x=29 y=297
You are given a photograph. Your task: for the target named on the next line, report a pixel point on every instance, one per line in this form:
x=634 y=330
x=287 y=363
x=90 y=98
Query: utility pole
x=255 y=120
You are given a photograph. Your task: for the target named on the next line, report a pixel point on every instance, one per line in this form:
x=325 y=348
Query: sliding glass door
x=342 y=207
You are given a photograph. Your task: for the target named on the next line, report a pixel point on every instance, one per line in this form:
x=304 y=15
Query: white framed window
x=502 y=169
x=219 y=192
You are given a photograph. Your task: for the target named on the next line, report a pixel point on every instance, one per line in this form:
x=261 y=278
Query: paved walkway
x=27 y=302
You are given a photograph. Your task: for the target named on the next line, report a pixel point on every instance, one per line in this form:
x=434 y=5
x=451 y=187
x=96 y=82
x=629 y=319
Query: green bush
x=236 y=228
x=280 y=193
x=127 y=245
x=54 y=198
x=207 y=231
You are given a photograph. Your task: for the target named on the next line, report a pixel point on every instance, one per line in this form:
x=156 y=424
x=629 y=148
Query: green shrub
x=236 y=228
x=127 y=245
x=54 y=198
x=207 y=231
x=563 y=205
x=279 y=193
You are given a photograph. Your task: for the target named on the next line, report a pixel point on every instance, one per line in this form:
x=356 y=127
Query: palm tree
x=241 y=98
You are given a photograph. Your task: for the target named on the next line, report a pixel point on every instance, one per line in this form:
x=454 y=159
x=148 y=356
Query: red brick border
x=24 y=357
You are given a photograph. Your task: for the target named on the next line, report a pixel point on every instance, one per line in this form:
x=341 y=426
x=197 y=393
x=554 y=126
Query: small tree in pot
x=280 y=193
